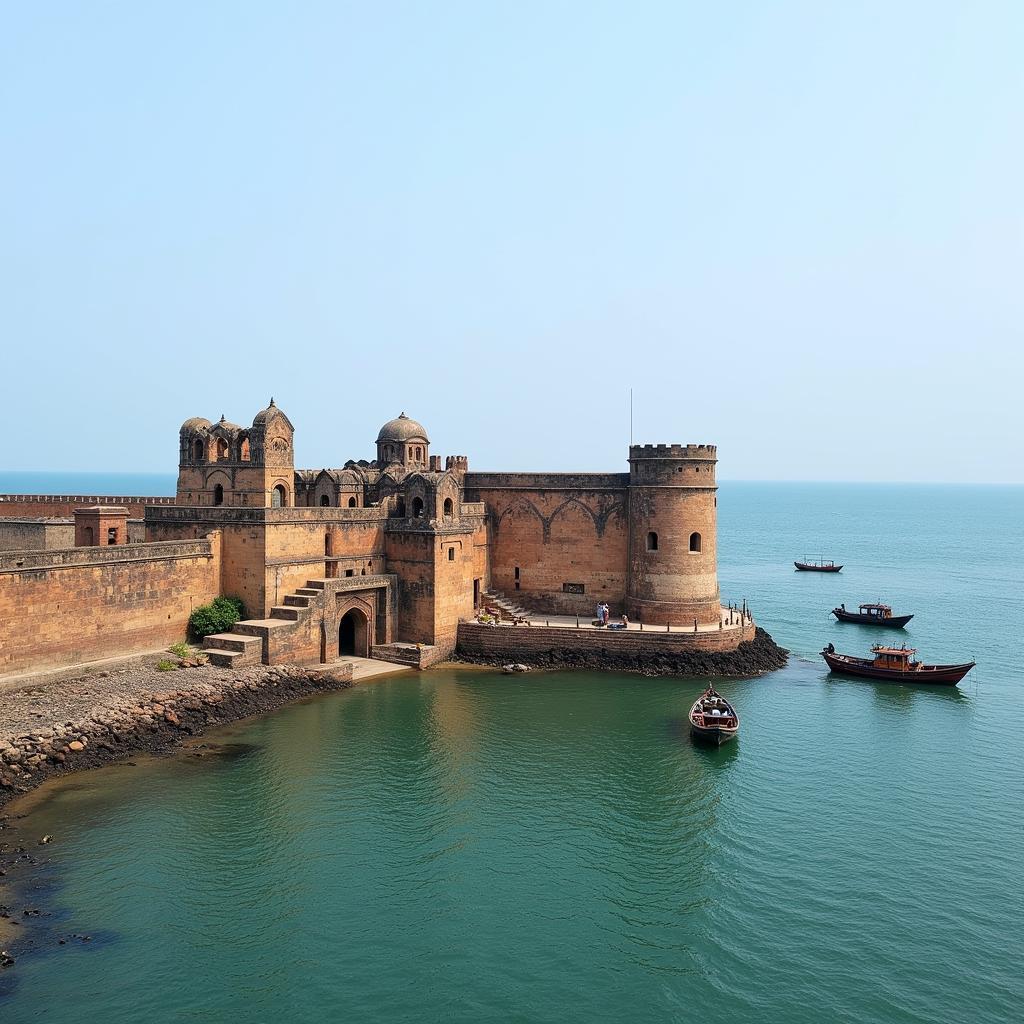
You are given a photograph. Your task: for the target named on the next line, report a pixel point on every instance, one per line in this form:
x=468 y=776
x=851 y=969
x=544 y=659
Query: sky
x=795 y=230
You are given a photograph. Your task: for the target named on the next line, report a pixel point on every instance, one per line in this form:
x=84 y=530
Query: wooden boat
x=821 y=565
x=872 y=615
x=895 y=665
x=712 y=718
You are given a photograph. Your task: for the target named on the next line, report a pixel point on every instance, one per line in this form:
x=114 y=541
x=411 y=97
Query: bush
x=181 y=650
x=217 y=617
x=165 y=666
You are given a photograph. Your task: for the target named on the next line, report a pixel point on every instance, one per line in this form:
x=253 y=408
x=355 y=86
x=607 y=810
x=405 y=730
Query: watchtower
x=672 y=575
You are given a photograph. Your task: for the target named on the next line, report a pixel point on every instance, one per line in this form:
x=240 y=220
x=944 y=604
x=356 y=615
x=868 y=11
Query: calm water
x=465 y=846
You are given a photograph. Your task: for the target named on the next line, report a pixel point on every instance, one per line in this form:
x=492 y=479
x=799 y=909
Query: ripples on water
x=468 y=846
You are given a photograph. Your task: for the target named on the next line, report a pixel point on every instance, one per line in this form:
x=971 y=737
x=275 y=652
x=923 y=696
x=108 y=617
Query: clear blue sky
x=794 y=228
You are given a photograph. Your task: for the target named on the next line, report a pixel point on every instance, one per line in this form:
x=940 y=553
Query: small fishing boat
x=820 y=565
x=712 y=718
x=895 y=665
x=872 y=615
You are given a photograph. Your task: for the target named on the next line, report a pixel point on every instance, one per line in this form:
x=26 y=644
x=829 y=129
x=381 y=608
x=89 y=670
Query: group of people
x=603 y=614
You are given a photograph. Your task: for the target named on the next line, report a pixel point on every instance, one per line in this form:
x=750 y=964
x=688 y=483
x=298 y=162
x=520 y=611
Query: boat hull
x=804 y=567
x=716 y=736
x=934 y=675
x=893 y=622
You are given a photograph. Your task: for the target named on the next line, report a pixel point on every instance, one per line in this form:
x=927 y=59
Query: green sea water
x=464 y=846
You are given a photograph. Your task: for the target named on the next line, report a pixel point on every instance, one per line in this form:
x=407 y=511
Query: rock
x=172 y=718
x=43 y=842
x=76 y=746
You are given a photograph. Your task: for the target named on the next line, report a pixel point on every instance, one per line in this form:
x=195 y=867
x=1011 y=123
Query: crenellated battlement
x=672 y=451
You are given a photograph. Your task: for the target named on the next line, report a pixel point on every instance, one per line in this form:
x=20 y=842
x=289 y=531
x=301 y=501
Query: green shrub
x=165 y=666
x=217 y=617
x=181 y=650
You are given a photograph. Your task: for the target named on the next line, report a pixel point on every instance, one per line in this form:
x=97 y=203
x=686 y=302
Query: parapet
x=672 y=451
x=458 y=463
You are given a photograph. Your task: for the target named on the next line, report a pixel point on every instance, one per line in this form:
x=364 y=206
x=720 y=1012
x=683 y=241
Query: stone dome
x=225 y=425
x=402 y=429
x=195 y=423
x=265 y=415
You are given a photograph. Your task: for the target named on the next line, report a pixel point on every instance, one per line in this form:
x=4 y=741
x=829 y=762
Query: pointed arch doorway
x=354 y=634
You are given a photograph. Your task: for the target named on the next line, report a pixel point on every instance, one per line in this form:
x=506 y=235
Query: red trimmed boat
x=872 y=615
x=821 y=565
x=895 y=665
x=713 y=719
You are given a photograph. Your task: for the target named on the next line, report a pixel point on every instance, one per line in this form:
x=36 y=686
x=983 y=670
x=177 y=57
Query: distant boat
x=713 y=719
x=821 y=565
x=895 y=665
x=872 y=615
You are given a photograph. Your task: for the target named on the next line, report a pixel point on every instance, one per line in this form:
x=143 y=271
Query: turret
x=672 y=577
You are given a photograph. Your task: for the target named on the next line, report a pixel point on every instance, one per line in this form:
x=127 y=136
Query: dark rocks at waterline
x=753 y=658
x=154 y=723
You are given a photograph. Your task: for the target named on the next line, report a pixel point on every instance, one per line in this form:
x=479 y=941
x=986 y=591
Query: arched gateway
x=354 y=634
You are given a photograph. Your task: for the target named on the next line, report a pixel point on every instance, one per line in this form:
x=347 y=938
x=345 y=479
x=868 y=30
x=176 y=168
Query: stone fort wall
x=567 y=534
x=62 y=505
x=83 y=604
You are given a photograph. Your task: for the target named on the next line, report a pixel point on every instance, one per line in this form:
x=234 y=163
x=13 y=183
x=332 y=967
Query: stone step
x=223 y=658
x=297 y=600
x=238 y=642
x=315 y=584
x=286 y=611
x=307 y=592
x=260 y=627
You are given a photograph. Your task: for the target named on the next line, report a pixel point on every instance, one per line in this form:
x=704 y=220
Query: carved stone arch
x=521 y=504
x=569 y=502
x=604 y=516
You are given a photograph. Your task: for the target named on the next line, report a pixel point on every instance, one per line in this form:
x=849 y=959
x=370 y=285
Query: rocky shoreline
x=753 y=658
x=150 y=712
x=93 y=721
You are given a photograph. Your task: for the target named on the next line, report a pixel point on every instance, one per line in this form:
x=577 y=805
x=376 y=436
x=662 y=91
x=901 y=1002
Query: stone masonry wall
x=567 y=533
x=83 y=604
x=64 y=504
x=515 y=642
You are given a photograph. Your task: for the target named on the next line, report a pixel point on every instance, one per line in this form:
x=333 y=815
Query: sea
x=463 y=846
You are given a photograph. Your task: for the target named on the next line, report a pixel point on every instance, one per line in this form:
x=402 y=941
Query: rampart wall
x=84 y=604
x=567 y=535
x=60 y=505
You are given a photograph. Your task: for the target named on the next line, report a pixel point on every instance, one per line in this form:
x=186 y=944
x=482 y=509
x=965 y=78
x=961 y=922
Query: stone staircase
x=247 y=643
x=507 y=607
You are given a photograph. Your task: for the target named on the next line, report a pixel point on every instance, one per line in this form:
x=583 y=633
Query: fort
x=396 y=557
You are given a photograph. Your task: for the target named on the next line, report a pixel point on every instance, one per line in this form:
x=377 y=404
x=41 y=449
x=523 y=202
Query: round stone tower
x=672 y=577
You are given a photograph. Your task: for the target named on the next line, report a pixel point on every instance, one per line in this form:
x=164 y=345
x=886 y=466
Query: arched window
x=218 y=494
x=695 y=542
x=449 y=507
x=197 y=450
x=243 y=450
x=222 y=449
x=652 y=541
x=324 y=500
x=419 y=454
x=279 y=496
x=417 y=508
x=351 y=502
x=400 y=508
x=327 y=543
